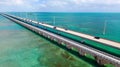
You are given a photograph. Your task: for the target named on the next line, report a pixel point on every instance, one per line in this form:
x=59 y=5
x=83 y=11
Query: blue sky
x=60 y=5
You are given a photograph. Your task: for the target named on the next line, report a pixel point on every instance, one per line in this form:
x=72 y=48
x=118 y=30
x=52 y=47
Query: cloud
x=12 y=2
x=60 y=5
x=56 y=3
x=19 y=1
x=108 y=2
x=16 y=5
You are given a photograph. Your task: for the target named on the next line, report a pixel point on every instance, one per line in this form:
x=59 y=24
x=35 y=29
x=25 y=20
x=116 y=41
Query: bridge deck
x=82 y=35
x=89 y=37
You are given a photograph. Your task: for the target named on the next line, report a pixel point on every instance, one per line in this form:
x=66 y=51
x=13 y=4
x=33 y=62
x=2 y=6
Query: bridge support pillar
x=59 y=42
x=117 y=65
x=101 y=61
x=68 y=46
x=51 y=38
x=81 y=52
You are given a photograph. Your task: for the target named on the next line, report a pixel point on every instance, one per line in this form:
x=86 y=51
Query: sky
x=59 y=5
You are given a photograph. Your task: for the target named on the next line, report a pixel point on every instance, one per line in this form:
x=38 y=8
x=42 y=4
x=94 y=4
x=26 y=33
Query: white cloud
x=38 y=5
x=18 y=1
x=42 y=5
x=107 y=2
x=12 y=2
x=57 y=3
x=81 y=1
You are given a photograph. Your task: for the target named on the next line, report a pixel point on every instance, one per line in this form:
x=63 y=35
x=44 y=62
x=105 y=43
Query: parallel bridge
x=100 y=56
x=82 y=35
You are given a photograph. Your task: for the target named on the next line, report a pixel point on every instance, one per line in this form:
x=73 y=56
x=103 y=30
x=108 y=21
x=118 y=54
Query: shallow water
x=20 y=47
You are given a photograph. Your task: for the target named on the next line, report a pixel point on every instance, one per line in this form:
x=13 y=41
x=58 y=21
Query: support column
x=51 y=38
x=81 y=52
x=99 y=60
x=59 y=42
x=68 y=46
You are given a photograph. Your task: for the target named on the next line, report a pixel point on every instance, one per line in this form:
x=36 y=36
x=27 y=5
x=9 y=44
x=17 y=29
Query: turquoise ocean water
x=20 y=47
x=89 y=23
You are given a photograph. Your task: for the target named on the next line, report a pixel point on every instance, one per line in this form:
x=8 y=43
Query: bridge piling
x=81 y=52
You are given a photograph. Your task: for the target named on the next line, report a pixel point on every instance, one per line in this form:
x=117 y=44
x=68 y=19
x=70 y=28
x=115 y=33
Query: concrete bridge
x=100 y=56
x=82 y=35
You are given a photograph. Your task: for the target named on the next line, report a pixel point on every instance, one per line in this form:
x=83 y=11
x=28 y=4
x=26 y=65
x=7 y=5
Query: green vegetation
x=109 y=65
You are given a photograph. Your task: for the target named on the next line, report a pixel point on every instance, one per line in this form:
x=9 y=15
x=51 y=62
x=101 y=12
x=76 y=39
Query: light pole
x=54 y=20
x=36 y=17
x=104 y=28
x=26 y=15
